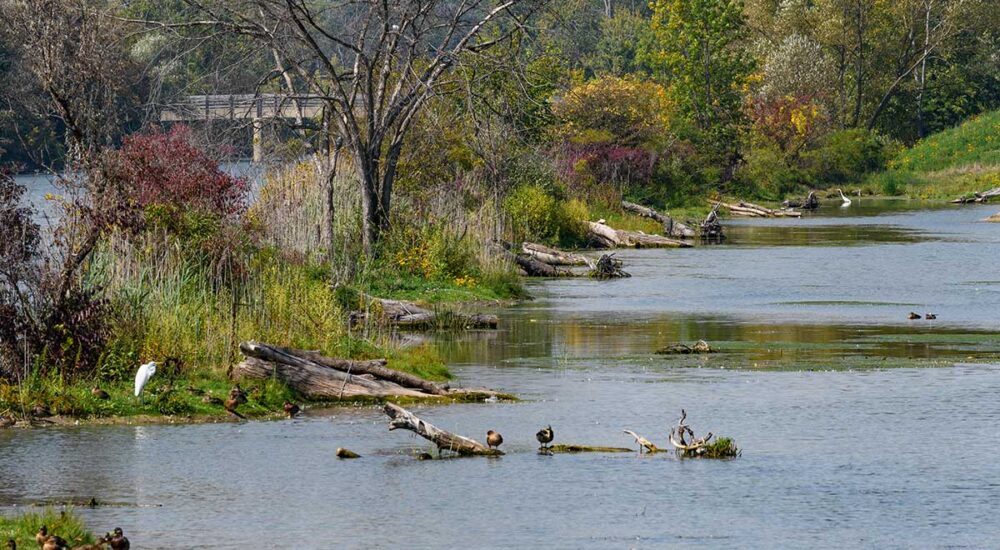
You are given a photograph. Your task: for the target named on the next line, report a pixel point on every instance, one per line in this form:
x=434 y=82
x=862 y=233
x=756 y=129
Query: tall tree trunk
x=928 y=5
x=860 y=64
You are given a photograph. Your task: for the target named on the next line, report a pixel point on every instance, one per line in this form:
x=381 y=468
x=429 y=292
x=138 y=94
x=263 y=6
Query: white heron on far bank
x=847 y=201
x=143 y=375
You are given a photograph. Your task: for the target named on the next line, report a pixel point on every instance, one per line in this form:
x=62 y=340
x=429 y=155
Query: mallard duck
x=493 y=439
x=11 y=545
x=99 y=393
x=7 y=422
x=236 y=398
x=42 y=535
x=40 y=411
x=291 y=409
x=913 y=316
x=211 y=400
x=99 y=545
x=119 y=541
x=53 y=542
x=930 y=316
x=545 y=436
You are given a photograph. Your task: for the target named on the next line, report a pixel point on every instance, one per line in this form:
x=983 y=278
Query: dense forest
x=445 y=126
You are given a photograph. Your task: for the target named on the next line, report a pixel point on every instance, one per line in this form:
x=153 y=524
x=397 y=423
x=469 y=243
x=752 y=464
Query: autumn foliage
x=168 y=169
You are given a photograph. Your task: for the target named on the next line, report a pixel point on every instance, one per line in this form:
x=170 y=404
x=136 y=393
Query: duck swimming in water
x=913 y=316
x=119 y=541
x=291 y=409
x=930 y=316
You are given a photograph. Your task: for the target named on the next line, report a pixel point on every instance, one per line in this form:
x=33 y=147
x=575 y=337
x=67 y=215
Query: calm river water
x=839 y=450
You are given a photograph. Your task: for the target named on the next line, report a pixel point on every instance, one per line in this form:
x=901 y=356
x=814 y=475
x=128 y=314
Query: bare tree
x=374 y=63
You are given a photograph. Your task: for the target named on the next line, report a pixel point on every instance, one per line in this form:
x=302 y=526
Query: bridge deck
x=241 y=106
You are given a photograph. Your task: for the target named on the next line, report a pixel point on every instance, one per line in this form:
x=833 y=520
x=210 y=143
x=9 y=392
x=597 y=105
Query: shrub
x=532 y=212
x=767 y=170
x=846 y=156
x=627 y=112
x=167 y=168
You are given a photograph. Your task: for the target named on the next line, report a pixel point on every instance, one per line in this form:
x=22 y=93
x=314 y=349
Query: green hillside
x=959 y=160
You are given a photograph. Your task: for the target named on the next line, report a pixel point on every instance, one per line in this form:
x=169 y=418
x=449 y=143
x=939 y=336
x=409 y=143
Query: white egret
x=847 y=201
x=143 y=375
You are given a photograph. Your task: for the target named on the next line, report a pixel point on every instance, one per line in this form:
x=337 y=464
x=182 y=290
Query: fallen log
x=756 y=211
x=562 y=448
x=994 y=218
x=373 y=367
x=402 y=418
x=711 y=228
x=608 y=267
x=700 y=446
x=405 y=314
x=609 y=237
x=320 y=383
x=318 y=377
x=982 y=196
x=809 y=203
x=643 y=442
x=553 y=256
x=531 y=266
x=671 y=228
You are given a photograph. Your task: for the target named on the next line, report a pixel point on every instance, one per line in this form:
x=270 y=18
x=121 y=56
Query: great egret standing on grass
x=143 y=375
x=847 y=201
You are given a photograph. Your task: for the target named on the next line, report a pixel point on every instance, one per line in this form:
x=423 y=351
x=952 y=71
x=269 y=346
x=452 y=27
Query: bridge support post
x=258 y=139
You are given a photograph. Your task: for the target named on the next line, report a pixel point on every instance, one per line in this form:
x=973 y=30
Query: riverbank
x=23 y=527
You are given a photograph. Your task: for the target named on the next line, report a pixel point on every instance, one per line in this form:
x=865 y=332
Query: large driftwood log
x=318 y=382
x=402 y=418
x=755 y=211
x=982 y=196
x=711 y=228
x=671 y=228
x=405 y=314
x=609 y=237
x=809 y=203
x=373 y=367
x=531 y=266
x=553 y=256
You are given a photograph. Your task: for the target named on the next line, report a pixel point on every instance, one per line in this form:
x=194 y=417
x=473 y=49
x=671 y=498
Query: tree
x=374 y=63
x=698 y=50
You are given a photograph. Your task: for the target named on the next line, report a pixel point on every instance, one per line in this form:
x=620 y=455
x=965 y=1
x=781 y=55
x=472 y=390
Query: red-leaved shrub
x=167 y=168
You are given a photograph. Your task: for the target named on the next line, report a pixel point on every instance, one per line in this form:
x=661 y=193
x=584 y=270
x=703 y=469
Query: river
x=859 y=428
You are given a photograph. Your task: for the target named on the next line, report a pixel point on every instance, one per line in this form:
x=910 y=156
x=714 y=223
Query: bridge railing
x=241 y=106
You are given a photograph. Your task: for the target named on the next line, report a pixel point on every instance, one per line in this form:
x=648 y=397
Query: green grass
x=948 y=164
x=23 y=527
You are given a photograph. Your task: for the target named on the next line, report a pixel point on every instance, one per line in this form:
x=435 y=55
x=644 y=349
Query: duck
x=97 y=545
x=40 y=411
x=52 y=542
x=913 y=316
x=11 y=545
x=845 y=201
x=545 y=436
x=291 y=409
x=493 y=439
x=7 y=422
x=930 y=316
x=236 y=398
x=99 y=393
x=42 y=535
x=119 y=541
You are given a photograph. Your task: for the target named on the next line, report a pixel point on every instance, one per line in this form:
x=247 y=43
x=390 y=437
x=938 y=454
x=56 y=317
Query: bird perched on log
x=99 y=393
x=913 y=316
x=545 y=436
x=236 y=398
x=493 y=439
x=291 y=409
x=119 y=541
x=930 y=316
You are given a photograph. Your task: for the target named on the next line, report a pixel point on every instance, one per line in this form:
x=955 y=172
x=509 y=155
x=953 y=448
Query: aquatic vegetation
x=64 y=523
x=722 y=447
